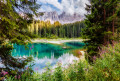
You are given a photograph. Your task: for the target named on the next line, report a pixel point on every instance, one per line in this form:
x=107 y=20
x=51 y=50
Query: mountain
x=62 y=18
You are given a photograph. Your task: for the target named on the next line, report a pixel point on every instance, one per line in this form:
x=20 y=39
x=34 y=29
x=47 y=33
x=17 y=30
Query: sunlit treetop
x=15 y=15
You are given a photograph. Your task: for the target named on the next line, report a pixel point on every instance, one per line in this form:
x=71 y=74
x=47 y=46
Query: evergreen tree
x=15 y=15
x=99 y=25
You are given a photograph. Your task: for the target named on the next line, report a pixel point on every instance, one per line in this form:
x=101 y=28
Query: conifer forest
x=59 y=40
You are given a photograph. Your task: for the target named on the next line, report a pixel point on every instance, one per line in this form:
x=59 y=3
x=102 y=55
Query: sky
x=68 y=6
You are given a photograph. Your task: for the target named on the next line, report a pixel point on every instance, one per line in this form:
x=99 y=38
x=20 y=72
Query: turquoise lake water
x=45 y=53
x=40 y=50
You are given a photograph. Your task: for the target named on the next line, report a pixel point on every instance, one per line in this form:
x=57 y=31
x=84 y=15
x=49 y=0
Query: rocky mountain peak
x=62 y=18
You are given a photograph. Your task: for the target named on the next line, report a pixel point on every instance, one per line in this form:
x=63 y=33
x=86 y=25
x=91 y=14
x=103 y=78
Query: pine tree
x=100 y=24
x=15 y=15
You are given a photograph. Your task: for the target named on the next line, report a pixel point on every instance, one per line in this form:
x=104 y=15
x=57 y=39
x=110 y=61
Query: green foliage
x=46 y=76
x=15 y=15
x=9 y=61
x=52 y=36
x=58 y=74
x=48 y=30
x=76 y=72
x=14 y=19
x=107 y=67
x=101 y=25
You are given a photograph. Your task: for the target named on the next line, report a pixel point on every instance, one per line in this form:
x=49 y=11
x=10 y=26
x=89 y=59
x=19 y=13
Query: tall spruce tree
x=100 y=25
x=15 y=15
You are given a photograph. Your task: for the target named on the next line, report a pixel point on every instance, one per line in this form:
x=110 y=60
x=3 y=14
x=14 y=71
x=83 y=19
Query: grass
x=105 y=68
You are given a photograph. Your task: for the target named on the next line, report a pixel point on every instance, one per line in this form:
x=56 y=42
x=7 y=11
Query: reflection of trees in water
x=41 y=50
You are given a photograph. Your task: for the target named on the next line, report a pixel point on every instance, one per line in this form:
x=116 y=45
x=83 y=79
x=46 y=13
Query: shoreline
x=56 y=41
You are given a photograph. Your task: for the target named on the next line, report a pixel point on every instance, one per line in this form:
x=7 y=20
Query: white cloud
x=74 y=6
x=45 y=8
x=69 y=6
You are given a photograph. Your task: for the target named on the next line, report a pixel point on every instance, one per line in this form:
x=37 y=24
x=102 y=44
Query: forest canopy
x=47 y=30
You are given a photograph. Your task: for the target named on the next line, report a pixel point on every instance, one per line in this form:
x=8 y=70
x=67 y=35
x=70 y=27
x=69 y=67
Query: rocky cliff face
x=62 y=18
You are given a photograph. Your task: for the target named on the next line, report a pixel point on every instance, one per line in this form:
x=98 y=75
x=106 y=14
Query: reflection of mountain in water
x=62 y=18
x=65 y=59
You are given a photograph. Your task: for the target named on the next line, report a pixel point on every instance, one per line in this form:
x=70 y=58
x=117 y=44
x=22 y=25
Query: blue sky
x=59 y=1
x=68 y=6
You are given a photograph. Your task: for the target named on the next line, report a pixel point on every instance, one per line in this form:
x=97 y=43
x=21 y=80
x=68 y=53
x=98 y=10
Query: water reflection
x=45 y=53
x=45 y=49
x=65 y=59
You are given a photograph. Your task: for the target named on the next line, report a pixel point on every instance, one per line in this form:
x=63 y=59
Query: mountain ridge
x=63 y=18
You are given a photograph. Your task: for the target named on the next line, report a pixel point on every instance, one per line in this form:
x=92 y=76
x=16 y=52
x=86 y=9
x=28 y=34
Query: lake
x=46 y=53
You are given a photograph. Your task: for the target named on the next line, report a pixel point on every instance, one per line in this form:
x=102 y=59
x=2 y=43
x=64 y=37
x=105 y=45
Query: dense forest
x=48 y=30
x=101 y=28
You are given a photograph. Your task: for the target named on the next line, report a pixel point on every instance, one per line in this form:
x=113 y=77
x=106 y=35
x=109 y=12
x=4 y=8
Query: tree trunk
x=104 y=23
x=113 y=24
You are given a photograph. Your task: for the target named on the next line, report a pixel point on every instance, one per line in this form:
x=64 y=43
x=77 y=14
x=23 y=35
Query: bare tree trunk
x=113 y=25
x=104 y=23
